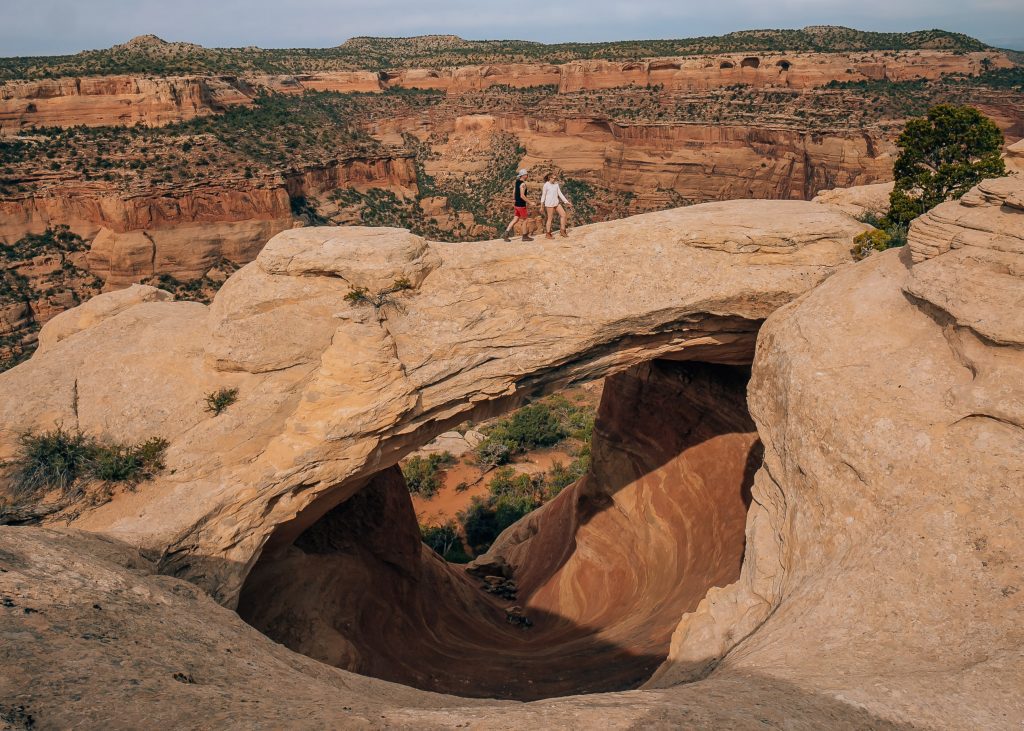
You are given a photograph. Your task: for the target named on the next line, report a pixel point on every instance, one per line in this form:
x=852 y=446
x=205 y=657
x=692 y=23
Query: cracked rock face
x=881 y=578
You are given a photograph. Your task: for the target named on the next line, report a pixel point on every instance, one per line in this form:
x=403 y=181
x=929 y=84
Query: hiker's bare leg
x=526 y=228
x=561 y=218
x=551 y=217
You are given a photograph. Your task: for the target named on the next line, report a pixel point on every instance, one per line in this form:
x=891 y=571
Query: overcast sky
x=40 y=27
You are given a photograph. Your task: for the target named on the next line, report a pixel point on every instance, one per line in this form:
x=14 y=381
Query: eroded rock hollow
x=604 y=572
x=880 y=584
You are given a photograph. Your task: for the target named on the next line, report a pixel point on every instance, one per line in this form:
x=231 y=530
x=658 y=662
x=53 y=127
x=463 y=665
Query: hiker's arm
x=565 y=200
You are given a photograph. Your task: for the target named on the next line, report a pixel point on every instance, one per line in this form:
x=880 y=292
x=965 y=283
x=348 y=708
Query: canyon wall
x=702 y=162
x=115 y=100
x=183 y=230
x=794 y=70
x=127 y=100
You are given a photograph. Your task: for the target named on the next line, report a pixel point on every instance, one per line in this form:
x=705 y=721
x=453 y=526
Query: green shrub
x=511 y=496
x=942 y=156
x=445 y=541
x=869 y=241
x=888 y=235
x=559 y=477
x=131 y=463
x=423 y=475
x=59 y=459
x=219 y=400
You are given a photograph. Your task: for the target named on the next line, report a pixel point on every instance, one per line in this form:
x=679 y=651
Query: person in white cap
x=519 y=203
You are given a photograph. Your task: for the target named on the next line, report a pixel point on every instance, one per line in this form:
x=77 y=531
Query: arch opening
x=603 y=573
x=750 y=62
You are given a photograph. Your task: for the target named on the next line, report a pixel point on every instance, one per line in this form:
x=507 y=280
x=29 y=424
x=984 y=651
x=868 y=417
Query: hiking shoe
x=506 y=237
x=527 y=238
x=548 y=236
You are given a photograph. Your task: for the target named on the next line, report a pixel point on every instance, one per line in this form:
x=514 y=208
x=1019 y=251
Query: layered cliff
x=128 y=100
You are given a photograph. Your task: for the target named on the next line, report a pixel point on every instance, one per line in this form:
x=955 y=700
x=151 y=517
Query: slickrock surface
x=858 y=200
x=330 y=393
x=880 y=584
x=884 y=544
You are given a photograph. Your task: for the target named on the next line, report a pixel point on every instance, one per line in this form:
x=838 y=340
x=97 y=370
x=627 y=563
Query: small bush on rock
x=381 y=299
x=59 y=459
x=219 y=400
x=869 y=241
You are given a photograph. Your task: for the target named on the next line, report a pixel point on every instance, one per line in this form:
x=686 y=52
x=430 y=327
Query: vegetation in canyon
x=423 y=474
x=555 y=421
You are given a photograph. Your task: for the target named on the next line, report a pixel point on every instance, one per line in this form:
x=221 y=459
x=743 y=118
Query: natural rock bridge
x=878 y=582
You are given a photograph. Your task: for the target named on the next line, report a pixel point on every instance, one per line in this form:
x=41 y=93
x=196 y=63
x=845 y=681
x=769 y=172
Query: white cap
x=521 y=173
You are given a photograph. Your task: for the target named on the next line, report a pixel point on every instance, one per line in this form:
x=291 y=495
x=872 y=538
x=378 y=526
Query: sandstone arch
x=750 y=62
x=726 y=65
x=784 y=64
x=878 y=585
x=476 y=336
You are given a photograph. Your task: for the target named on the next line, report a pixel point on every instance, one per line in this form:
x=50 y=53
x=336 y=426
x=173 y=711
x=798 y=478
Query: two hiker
x=551 y=199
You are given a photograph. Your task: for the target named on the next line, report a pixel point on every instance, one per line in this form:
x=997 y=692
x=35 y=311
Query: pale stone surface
x=884 y=538
x=330 y=393
x=1014 y=157
x=880 y=585
x=96 y=310
x=371 y=258
x=859 y=200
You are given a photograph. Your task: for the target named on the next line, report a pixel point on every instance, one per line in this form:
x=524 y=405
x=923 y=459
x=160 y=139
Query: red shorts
x=521 y=212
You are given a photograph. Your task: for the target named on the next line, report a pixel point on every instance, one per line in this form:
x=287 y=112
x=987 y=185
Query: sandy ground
x=448 y=501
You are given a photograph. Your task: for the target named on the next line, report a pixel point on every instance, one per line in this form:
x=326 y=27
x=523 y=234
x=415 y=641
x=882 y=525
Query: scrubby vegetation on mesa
x=62 y=460
x=276 y=134
x=152 y=56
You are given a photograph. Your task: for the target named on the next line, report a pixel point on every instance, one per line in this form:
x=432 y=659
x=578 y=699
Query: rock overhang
x=330 y=392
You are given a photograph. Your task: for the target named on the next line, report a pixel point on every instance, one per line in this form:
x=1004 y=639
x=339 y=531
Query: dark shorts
x=521 y=212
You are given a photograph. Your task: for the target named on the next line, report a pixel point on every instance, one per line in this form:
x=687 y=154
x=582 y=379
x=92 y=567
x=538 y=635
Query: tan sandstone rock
x=880 y=585
x=330 y=393
x=859 y=200
x=91 y=313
